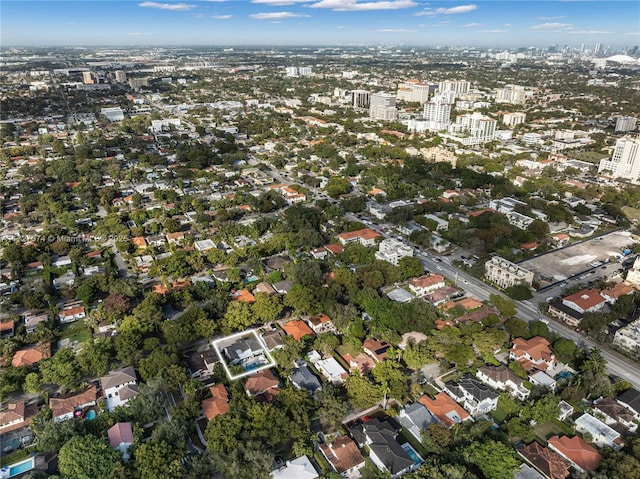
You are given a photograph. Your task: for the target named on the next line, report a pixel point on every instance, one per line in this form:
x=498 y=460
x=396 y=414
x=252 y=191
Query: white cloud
x=507 y=24
x=472 y=25
x=280 y=2
x=552 y=26
x=221 y=17
x=448 y=11
x=276 y=15
x=393 y=30
x=355 y=5
x=589 y=32
x=167 y=6
x=494 y=31
x=545 y=19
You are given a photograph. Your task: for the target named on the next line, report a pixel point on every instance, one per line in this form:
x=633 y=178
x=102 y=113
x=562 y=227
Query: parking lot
x=578 y=258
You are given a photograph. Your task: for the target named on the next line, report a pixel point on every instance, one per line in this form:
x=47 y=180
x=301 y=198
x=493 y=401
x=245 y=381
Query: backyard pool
x=91 y=415
x=412 y=453
x=17 y=468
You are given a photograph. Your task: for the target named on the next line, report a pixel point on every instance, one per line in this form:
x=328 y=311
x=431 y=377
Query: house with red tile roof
x=581 y=455
x=376 y=349
x=297 y=329
x=426 y=284
x=7 y=328
x=585 y=301
x=365 y=236
x=243 y=295
x=121 y=437
x=139 y=242
x=533 y=353
x=31 y=355
x=613 y=294
x=13 y=417
x=546 y=461
x=173 y=238
x=64 y=407
x=218 y=403
x=343 y=456
x=334 y=248
x=361 y=362
x=263 y=385
x=445 y=410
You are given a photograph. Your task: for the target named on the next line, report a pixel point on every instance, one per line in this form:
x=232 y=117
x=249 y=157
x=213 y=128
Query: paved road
x=526 y=310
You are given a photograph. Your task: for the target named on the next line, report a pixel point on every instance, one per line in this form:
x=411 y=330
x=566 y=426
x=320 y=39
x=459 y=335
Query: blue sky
x=320 y=22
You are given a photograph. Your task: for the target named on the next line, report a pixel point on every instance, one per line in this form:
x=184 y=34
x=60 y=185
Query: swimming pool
x=21 y=467
x=91 y=415
x=412 y=453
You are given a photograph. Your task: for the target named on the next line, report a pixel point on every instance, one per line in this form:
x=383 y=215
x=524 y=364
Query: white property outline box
x=215 y=343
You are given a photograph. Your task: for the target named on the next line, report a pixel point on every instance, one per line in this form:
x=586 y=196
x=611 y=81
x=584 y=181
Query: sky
x=482 y=23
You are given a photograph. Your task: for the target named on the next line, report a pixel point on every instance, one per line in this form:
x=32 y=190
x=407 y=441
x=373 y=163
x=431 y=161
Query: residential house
x=321 y=323
x=31 y=355
x=7 y=328
x=120 y=437
x=303 y=378
x=202 y=363
x=31 y=320
x=366 y=237
x=175 y=238
x=477 y=398
x=13 y=417
x=61 y=262
x=601 y=434
x=243 y=295
x=262 y=385
x=376 y=349
x=540 y=378
x=613 y=294
x=415 y=418
x=426 y=284
x=343 y=456
x=139 y=242
x=245 y=352
x=218 y=403
x=569 y=315
x=384 y=450
x=65 y=407
x=393 y=251
x=265 y=288
x=631 y=400
x=440 y=224
x=297 y=329
x=574 y=449
x=502 y=378
x=119 y=386
x=298 y=468
x=546 y=461
x=282 y=287
x=319 y=253
x=445 y=410
x=71 y=312
x=615 y=415
x=361 y=362
x=273 y=340
x=505 y=274
x=331 y=370
x=533 y=353
x=585 y=301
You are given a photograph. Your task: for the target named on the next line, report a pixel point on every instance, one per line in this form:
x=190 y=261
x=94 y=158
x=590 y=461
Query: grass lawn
x=498 y=415
x=76 y=331
x=590 y=156
x=347 y=349
x=632 y=213
x=547 y=429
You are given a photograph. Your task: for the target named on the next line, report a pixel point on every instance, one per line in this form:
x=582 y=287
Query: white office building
x=393 y=251
x=625 y=161
x=473 y=129
x=360 y=98
x=292 y=71
x=383 y=107
x=512 y=119
x=437 y=113
x=505 y=274
x=414 y=91
x=305 y=71
x=460 y=87
x=625 y=123
x=514 y=94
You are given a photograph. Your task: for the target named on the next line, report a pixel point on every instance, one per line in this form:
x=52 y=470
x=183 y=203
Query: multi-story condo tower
x=625 y=161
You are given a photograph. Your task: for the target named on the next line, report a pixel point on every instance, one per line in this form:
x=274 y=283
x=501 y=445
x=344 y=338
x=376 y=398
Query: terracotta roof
x=119 y=433
x=537 y=348
x=7 y=325
x=297 y=329
x=481 y=212
x=218 y=403
x=260 y=382
x=585 y=299
x=365 y=233
x=444 y=409
x=376 y=348
x=468 y=304
x=577 y=451
x=14 y=412
x=160 y=289
x=243 y=295
x=361 y=362
x=31 y=355
x=551 y=464
x=478 y=315
x=64 y=405
x=529 y=246
x=334 y=248
x=426 y=281
x=319 y=319
x=342 y=453
x=617 y=291
x=139 y=241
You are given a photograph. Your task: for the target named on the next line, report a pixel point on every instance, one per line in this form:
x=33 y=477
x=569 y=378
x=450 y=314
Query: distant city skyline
x=321 y=22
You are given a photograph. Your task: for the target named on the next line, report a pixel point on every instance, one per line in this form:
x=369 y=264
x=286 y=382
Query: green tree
x=333 y=409
x=32 y=383
x=390 y=373
x=410 y=266
x=157 y=362
x=436 y=438
x=62 y=369
x=158 y=460
x=238 y=316
x=267 y=307
x=362 y=392
x=494 y=459
x=87 y=457
x=337 y=186
x=517 y=328
x=506 y=307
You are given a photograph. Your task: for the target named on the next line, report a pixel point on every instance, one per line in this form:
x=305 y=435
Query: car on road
x=439 y=268
x=465 y=281
x=544 y=320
